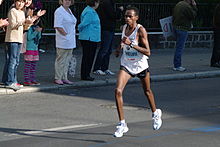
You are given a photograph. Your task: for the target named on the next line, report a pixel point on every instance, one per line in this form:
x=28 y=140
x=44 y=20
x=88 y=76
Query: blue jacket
x=89 y=28
x=33 y=38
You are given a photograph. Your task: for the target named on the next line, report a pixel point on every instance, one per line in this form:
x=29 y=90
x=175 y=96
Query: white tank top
x=134 y=61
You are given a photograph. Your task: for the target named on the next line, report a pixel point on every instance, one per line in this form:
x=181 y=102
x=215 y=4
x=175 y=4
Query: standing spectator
x=108 y=16
x=31 y=56
x=64 y=23
x=184 y=13
x=89 y=36
x=29 y=11
x=14 y=39
x=3 y=22
x=136 y=52
x=215 y=60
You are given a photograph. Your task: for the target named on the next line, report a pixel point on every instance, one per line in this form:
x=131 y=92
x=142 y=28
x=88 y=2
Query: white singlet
x=134 y=61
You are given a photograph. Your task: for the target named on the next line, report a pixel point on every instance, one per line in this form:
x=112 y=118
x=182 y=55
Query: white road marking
x=51 y=130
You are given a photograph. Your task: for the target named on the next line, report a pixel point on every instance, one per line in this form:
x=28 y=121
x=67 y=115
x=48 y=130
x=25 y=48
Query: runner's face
x=130 y=17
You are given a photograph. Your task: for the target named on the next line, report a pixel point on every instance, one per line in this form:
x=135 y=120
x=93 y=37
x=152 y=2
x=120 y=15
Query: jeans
x=103 y=56
x=181 y=37
x=12 y=57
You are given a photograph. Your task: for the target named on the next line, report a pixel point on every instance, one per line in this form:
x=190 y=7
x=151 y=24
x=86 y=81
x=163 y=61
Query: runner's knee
x=148 y=92
x=118 y=92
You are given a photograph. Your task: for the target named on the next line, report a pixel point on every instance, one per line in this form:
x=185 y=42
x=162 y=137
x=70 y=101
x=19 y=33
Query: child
x=14 y=39
x=31 y=56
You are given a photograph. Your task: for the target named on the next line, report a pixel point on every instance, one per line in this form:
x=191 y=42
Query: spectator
x=108 y=16
x=89 y=36
x=14 y=39
x=31 y=56
x=64 y=23
x=215 y=59
x=29 y=11
x=3 y=22
x=184 y=13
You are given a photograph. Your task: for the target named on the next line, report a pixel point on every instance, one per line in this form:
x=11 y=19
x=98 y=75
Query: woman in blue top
x=89 y=36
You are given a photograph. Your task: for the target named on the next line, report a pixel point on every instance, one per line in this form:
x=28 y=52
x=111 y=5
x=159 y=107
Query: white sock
x=122 y=121
x=155 y=112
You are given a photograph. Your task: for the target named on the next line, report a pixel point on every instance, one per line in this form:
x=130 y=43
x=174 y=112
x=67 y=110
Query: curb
x=81 y=84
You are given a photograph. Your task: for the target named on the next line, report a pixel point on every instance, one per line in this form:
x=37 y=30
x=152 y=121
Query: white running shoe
x=121 y=129
x=179 y=68
x=99 y=72
x=109 y=72
x=157 y=121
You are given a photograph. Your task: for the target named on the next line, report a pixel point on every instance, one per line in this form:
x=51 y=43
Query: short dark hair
x=135 y=9
x=91 y=3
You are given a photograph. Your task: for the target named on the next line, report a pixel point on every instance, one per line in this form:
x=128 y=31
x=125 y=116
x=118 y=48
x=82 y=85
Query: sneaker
x=157 y=121
x=19 y=85
x=179 y=68
x=67 y=82
x=35 y=83
x=13 y=86
x=121 y=129
x=27 y=84
x=99 y=72
x=109 y=72
x=41 y=50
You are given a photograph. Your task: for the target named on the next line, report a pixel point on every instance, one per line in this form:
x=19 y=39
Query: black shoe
x=88 y=79
x=216 y=65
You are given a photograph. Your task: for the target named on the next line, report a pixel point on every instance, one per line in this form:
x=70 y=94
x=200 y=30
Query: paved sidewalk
x=195 y=60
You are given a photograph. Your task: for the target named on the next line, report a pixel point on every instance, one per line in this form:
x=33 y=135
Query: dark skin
x=123 y=77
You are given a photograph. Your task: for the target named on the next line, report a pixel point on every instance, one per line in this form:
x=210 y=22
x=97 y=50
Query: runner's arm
x=143 y=45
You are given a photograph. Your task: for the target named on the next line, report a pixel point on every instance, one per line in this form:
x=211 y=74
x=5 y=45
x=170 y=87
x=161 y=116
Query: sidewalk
x=196 y=62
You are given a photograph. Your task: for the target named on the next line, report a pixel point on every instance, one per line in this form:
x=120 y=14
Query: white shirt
x=67 y=21
x=134 y=61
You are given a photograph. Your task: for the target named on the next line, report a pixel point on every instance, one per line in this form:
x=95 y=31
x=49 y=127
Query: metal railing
x=150 y=13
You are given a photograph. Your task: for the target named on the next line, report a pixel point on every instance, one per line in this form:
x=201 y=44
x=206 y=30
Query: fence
x=150 y=13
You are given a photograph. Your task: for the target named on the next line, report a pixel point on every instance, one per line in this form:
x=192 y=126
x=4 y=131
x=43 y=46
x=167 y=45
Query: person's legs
x=27 y=67
x=181 y=37
x=156 y=113
x=66 y=55
x=84 y=58
x=5 y=70
x=33 y=71
x=89 y=49
x=106 y=59
x=122 y=80
x=103 y=56
x=215 y=59
x=59 y=65
x=14 y=56
x=148 y=92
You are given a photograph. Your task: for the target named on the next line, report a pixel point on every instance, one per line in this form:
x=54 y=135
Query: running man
x=136 y=52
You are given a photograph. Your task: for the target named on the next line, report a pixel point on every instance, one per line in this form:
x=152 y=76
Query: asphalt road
x=86 y=117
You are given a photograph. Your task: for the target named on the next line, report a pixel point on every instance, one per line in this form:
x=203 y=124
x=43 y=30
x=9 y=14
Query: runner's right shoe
x=121 y=129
